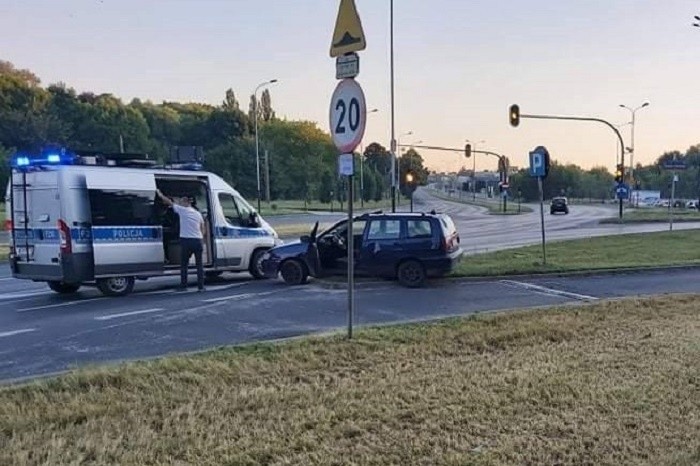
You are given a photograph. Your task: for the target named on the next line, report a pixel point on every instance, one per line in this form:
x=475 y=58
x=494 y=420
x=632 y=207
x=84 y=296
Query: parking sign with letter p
x=539 y=162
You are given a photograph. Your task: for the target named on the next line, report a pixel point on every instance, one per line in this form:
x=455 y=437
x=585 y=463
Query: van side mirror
x=254 y=220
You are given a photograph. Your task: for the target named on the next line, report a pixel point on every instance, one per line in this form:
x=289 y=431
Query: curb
x=491 y=278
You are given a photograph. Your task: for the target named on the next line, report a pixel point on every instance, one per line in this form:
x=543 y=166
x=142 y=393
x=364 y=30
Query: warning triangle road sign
x=348 y=36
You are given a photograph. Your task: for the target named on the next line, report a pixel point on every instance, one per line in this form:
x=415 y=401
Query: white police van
x=77 y=219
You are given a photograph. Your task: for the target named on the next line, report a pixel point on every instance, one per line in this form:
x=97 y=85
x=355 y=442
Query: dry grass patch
x=616 y=383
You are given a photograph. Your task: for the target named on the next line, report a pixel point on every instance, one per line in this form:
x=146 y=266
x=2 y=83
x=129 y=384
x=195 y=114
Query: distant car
x=663 y=203
x=691 y=205
x=559 y=204
x=406 y=246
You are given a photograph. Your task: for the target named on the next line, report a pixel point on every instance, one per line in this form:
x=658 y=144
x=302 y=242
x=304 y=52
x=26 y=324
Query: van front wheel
x=116 y=286
x=63 y=288
x=255 y=268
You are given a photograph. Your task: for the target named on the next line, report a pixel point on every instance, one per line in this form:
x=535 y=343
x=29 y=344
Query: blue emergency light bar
x=47 y=158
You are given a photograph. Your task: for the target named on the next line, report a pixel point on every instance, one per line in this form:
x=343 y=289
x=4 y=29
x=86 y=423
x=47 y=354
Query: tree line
x=300 y=157
x=598 y=183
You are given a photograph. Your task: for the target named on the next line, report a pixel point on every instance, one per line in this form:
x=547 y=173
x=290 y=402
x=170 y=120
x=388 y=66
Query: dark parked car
x=405 y=246
x=559 y=204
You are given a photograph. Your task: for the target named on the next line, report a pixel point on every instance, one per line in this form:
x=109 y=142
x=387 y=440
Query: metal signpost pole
x=348 y=115
x=544 y=248
x=670 y=204
x=351 y=258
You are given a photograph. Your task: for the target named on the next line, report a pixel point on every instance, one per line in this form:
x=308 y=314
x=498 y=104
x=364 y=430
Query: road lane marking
x=209 y=288
x=9 y=296
x=229 y=298
x=241 y=296
x=128 y=314
x=16 y=332
x=549 y=291
x=67 y=303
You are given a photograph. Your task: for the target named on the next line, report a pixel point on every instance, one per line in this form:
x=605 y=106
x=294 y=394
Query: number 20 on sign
x=348 y=115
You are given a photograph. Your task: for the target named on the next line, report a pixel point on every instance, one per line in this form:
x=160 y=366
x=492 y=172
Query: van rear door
x=35 y=211
x=126 y=233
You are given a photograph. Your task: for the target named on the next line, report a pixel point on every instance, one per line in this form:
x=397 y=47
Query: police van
x=94 y=219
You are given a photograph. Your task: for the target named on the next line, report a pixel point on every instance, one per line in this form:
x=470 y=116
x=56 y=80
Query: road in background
x=482 y=232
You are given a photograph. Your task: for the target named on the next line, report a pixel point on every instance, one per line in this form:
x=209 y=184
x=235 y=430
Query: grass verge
x=655 y=216
x=615 y=383
x=298 y=229
x=494 y=208
x=605 y=252
x=296 y=206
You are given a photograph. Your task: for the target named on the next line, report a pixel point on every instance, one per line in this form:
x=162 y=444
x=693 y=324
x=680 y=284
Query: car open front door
x=126 y=233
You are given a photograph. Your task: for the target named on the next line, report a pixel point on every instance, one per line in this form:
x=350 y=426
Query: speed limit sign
x=348 y=115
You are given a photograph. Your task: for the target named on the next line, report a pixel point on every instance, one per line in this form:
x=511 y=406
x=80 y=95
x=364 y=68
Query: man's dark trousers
x=189 y=246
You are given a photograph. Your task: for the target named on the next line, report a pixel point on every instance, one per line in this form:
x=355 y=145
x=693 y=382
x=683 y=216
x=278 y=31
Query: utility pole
x=267 y=176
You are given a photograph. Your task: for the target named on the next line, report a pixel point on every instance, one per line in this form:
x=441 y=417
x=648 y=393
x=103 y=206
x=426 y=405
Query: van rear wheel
x=63 y=288
x=116 y=286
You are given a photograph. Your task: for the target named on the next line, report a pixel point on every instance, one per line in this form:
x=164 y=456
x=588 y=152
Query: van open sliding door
x=126 y=234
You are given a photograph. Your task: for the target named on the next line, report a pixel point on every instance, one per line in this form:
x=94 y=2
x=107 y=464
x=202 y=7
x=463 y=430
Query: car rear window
x=448 y=225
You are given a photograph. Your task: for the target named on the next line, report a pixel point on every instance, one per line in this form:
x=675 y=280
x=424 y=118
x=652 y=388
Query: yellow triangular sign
x=348 y=36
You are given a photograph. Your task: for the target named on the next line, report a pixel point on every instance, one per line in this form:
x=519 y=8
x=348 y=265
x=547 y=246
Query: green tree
x=230 y=102
x=266 y=111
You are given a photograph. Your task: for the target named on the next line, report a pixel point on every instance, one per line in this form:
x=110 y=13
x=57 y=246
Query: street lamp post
x=393 y=107
x=397 y=171
x=474 y=166
x=362 y=162
x=257 y=144
x=633 y=111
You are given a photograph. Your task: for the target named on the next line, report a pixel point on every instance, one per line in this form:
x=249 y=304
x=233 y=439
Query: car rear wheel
x=116 y=286
x=255 y=268
x=63 y=288
x=411 y=274
x=294 y=272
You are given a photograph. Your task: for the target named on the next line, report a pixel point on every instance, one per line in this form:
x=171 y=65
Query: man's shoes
x=181 y=288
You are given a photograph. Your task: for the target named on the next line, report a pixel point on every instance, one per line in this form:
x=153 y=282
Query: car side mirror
x=254 y=220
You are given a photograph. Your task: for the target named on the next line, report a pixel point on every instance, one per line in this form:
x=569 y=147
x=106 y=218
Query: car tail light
x=8 y=225
x=64 y=237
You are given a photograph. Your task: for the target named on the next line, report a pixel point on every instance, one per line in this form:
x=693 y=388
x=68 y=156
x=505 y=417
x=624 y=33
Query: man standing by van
x=191 y=237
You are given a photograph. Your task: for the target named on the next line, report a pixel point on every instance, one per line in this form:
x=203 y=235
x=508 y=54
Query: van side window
x=122 y=208
x=228 y=204
x=246 y=211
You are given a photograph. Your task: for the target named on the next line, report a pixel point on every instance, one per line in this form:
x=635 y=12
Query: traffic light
x=468 y=150
x=410 y=181
x=619 y=173
x=514 y=115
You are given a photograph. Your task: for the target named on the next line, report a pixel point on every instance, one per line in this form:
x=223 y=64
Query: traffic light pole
x=598 y=120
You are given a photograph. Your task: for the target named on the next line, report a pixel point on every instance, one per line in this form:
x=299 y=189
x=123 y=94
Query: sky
x=459 y=65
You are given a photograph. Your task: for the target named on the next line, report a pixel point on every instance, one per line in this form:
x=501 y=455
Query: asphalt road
x=43 y=333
